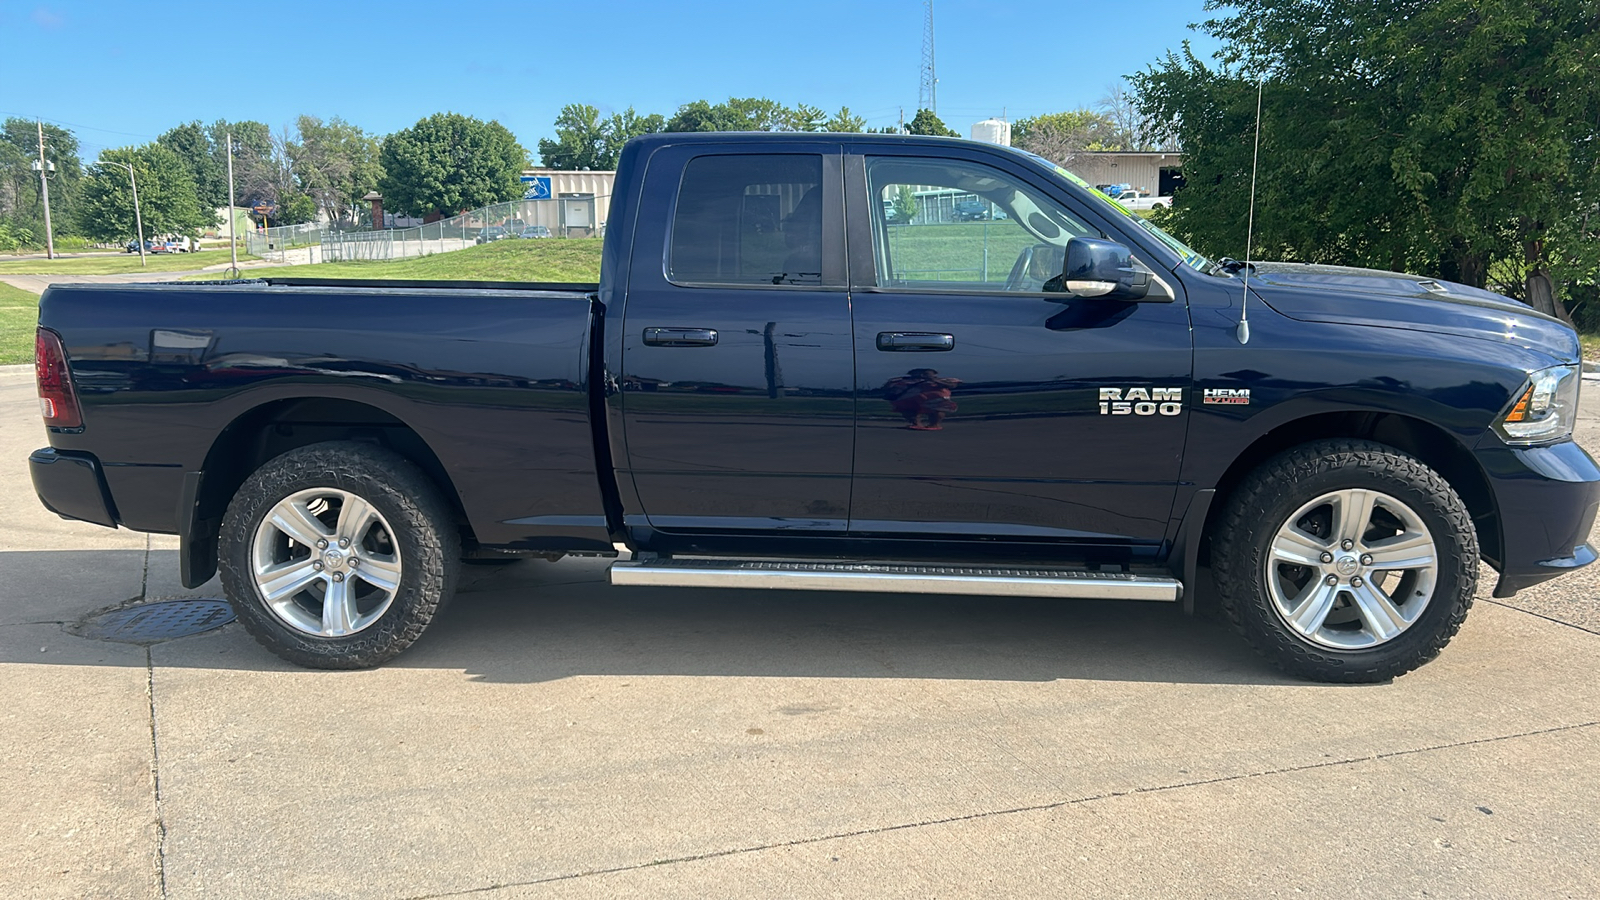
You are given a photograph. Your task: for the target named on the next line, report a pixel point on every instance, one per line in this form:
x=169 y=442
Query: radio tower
x=928 y=93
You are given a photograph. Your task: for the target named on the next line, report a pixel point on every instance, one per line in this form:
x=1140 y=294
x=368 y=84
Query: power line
x=73 y=125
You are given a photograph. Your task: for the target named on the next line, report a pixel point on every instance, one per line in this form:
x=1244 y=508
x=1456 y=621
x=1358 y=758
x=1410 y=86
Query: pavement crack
x=155 y=775
x=1544 y=617
x=994 y=813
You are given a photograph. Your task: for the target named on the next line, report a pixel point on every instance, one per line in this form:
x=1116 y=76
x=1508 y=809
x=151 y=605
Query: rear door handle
x=915 y=341
x=680 y=337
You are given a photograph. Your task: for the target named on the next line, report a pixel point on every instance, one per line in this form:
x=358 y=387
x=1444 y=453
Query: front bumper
x=72 y=485
x=1547 y=498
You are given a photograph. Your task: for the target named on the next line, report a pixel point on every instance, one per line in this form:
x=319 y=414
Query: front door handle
x=680 y=337
x=915 y=341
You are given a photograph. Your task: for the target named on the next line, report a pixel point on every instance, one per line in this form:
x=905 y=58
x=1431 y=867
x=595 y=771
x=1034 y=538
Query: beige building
x=1153 y=172
x=583 y=197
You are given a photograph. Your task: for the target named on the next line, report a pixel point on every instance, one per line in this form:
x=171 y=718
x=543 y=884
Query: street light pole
x=44 y=189
x=137 y=217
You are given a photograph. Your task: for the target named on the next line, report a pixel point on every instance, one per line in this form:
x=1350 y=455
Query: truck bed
x=491 y=379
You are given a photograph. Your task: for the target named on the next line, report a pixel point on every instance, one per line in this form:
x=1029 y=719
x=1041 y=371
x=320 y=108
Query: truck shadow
x=535 y=622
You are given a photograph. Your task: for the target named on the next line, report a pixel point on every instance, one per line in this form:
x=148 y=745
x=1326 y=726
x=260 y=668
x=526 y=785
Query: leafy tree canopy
x=450 y=162
x=1446 y=137
x=335 y=163
x=926 y=122
x=1059 y=136
x=20 y=196
x=585 y=141
x=167 y=198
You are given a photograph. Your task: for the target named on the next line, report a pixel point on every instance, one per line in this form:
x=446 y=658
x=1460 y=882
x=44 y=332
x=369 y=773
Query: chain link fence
x=513 y=220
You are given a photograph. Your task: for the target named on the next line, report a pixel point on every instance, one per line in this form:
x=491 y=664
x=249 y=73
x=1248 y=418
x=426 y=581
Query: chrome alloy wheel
x=1352 y=569
x=325 y=562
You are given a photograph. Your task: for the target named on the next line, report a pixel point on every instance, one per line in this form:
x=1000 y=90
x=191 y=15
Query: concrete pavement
x=553 y=736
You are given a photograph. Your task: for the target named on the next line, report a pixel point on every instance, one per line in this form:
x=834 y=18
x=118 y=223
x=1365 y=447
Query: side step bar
x=894 y=578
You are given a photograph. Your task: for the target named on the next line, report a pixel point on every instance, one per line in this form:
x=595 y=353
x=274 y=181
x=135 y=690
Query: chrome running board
x=895 y=578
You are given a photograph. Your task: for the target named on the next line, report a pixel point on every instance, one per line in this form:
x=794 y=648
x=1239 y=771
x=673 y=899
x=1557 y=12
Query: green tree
x=925 y=122
x=167 y=198
x=21 y=200
x=905 y=204
x=804 y=117
x=449 y=162
x=192 y=144
x=252 y=162
x=585 y=141
x=843 y=122
x=745 y=114
x=1059 y=136
x=336 y=164
x=1444 y=137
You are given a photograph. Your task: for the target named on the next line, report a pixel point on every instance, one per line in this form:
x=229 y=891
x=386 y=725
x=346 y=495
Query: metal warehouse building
x=1154 y=172
x=583 y=198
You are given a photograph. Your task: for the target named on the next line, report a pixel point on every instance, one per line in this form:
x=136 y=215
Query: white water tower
x=993 y=131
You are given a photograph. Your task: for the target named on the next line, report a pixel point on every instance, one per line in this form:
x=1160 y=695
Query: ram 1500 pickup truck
x=771 y=388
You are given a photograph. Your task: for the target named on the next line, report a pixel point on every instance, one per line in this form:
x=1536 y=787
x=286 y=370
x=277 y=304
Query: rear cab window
x=747 y=220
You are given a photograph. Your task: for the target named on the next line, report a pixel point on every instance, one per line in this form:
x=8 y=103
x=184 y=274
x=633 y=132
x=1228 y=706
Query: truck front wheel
x=338 y=555
x=1346 y=561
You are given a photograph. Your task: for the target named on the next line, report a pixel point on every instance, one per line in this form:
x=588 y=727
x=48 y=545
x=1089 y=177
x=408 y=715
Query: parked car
x=180 y=244
x=970 y=211
x=133 y=247
x=535 y=231
x=827 y=412
x=491 y=234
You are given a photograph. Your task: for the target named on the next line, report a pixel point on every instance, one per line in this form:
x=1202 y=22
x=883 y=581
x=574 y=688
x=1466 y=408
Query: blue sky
x=123 y=72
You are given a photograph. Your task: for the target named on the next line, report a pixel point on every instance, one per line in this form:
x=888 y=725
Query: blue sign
x=536 y=187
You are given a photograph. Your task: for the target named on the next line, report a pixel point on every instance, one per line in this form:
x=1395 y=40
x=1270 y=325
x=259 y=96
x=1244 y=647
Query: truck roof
x=804 y=137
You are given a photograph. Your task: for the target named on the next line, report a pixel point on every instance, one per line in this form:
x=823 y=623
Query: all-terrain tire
x=1284 y=484
x=421 y=532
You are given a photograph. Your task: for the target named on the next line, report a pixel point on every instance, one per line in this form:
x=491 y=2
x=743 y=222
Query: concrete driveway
x=556 y=737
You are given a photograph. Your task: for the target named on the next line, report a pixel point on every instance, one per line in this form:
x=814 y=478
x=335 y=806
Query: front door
x=989 y=406
x=737 y=390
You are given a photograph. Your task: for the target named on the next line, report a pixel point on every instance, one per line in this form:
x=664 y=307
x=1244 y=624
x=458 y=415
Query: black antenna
x=1243 y=331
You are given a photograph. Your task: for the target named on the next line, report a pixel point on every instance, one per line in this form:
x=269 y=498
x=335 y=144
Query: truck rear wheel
x=338 y=555
x=1346 y=561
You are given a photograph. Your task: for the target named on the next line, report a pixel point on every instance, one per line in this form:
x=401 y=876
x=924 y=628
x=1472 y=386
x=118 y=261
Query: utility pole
x=137 y=217
x=44 y=189
x=233 y=242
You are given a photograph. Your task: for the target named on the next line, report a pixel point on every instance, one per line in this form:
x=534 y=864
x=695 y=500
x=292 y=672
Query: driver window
x=956 y=225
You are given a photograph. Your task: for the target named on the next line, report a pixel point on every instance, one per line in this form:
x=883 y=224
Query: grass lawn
x=115 y=265
x=557 y=259
x=1591 y=346
x=19 y=315
x=957 y=251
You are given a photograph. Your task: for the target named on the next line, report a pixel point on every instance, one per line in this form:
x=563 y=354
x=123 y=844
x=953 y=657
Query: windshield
x=1189 y=255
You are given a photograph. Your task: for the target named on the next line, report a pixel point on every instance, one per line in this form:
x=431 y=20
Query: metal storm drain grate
x=149 y=622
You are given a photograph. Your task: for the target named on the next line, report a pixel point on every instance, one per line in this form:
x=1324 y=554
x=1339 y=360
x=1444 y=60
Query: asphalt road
x=553 y=736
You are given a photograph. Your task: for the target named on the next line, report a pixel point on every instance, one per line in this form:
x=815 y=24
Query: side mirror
x=1097 y=268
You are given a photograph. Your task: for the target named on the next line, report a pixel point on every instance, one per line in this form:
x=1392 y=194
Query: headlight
x=1545 y=410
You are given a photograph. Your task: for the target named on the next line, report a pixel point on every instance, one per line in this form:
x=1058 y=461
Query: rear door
x=989 y=407
x=737 y=374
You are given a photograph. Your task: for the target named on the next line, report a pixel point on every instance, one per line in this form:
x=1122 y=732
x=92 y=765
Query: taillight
x=57 y=401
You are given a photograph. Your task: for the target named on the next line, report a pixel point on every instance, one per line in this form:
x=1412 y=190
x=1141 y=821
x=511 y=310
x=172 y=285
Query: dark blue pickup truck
x=777 y=384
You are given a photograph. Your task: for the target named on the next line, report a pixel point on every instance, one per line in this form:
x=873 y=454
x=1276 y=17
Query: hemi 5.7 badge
x=1227 y=396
